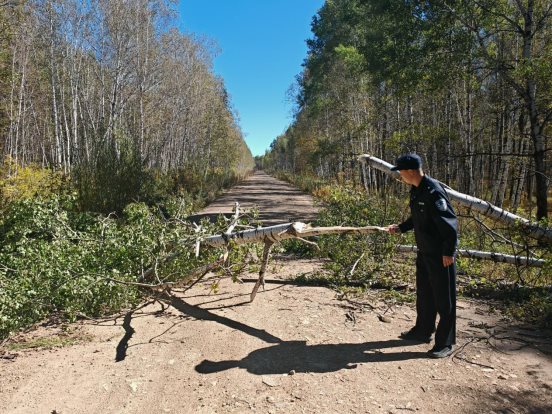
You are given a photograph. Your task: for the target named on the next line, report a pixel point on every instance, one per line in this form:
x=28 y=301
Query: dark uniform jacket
x=432 y=218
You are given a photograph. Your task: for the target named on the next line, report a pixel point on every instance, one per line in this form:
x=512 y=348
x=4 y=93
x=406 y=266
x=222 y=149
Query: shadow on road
x=122 y=347
x=300 y=357
x=204 y=314
x=285 y=356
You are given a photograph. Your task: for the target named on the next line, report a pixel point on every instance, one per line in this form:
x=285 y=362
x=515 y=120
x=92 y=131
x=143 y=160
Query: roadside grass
x=58 y=334
x=49 y=342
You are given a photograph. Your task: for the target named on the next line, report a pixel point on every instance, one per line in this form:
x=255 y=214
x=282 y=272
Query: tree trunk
x=495 y=257
x=536 y=128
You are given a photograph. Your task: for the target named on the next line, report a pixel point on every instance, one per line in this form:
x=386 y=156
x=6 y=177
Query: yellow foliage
x=19 y=183
x=323 y=192
x=219 y=170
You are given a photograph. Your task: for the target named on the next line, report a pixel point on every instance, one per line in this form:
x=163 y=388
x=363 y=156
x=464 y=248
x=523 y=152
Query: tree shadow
x=300 y=357
x=189 y=311
x=204 y=314
x=122 y=346
x=509 y=401
x=224 y=297
x=285 y=356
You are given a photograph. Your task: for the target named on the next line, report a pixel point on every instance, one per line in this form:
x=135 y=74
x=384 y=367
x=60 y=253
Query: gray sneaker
x=440 y=352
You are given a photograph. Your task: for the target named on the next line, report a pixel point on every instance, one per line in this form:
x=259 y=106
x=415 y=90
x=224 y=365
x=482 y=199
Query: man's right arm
x=401 y=228
x=406 y=225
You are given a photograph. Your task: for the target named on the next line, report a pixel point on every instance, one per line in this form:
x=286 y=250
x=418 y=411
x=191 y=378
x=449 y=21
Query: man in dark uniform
x=435 y=228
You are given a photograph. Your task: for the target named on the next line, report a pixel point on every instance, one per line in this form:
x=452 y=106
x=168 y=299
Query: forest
x=112 y=95
x=466 y=84
x=114 y=129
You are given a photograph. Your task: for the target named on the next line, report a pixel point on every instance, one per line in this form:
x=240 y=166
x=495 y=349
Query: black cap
x=408 y=162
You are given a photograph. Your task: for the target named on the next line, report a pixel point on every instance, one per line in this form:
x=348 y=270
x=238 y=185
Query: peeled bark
x=283 y=231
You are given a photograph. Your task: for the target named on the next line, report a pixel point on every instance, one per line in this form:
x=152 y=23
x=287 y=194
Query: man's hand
x=448 y=260
x=393 y=229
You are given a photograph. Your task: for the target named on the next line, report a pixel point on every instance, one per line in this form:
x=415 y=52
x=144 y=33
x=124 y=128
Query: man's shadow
x=300 y=357
x=283 y=356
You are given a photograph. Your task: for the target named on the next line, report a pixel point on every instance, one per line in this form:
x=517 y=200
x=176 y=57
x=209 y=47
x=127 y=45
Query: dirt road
x=293 y=350
x=277 y=201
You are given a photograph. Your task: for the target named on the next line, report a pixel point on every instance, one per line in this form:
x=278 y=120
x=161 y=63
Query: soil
x=294 y=350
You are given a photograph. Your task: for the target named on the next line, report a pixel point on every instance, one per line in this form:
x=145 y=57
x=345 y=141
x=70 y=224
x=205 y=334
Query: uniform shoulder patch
x=441 y=204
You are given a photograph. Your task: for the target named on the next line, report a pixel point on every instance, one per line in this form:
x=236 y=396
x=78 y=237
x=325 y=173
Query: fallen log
x=482 y=206
x=273 y=234
x=285 y=231
x=495 y=257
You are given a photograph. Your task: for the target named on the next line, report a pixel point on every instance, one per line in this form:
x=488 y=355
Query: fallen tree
x=285 y=231
x=271 y=235
x=481 y=206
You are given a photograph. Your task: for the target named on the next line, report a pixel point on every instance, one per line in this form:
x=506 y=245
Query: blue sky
x=262 y=45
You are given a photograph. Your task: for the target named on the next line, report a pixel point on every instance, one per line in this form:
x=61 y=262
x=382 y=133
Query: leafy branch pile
x=55 y=260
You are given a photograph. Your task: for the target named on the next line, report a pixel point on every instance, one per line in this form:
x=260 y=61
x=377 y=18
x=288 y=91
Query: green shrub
x=535 y=307
x=24 y=183
x=55 y=260
x=369 y=254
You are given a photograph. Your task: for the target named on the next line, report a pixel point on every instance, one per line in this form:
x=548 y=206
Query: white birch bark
x=481 y=206
x=282 y=232
x=58 y=143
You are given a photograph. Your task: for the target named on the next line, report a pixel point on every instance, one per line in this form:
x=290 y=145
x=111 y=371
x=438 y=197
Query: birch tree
x=113 y=95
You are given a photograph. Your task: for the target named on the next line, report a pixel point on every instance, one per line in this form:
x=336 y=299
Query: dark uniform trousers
x=435 y=226
x=436 y=295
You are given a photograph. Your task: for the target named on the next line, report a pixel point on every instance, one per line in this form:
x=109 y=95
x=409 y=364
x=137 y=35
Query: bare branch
x=352 y=271
x=260 y=281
